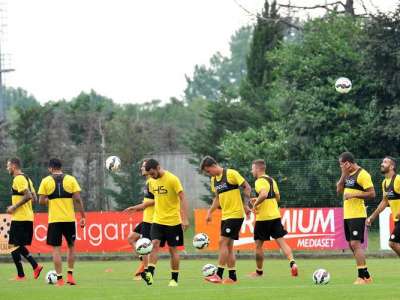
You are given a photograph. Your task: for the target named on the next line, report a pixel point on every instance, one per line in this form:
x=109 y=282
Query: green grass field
x=95 y=283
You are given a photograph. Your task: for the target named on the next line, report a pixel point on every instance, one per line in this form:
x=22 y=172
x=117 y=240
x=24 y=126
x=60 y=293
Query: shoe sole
x=40 y=271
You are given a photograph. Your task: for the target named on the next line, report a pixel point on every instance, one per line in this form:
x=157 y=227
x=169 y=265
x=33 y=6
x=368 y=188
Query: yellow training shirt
x=226 y=186
x=359 y=180
x=24 y=212
x=60 y=209
x=167 y=204
x=148 y=212
x=268 y=209
x=391 y=190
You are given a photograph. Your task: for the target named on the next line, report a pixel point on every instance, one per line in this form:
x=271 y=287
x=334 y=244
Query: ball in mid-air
x=201 y=241
x=144 y=246
x=113 y=163
x=343 y=85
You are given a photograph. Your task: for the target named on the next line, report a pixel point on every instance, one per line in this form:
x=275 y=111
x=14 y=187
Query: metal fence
x=301 y=183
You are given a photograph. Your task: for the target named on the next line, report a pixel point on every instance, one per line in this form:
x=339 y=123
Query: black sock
x=366 y=273
x=259 y=272
x=174 y=275
x=232 y=275
x=25 y=253
x=292 y=262
x=69 y=272
x=16 y=256
x=360 y=272
x=59 y=277
x=151 y=269
x=220 y=272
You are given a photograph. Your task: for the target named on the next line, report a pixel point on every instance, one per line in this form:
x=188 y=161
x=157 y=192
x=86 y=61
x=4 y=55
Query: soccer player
x=268 y=218
x=144 y=227
x=226 y=184
x=60 y=191
x=21 y=229
x=356 y=185
x=391 y=197
x=169 y=220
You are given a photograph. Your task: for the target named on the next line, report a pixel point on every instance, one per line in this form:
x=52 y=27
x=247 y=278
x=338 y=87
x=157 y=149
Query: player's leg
x=173 y=251
x=174 y=238
x=289 y=254
x=394 y=241
x=259 y=253
x=231 y=263
x=232 y=230
x=356 y=230
x=14 y=239
x=54 y=239
x=28 y=234
x=133 y=237
x=69 y=233
x=16 y=256
x=395 y=247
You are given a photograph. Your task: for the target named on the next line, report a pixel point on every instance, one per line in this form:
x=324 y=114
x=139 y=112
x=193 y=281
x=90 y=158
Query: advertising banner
x=308 y=229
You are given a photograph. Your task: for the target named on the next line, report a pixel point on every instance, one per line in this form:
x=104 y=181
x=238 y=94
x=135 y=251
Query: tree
x=224 y=74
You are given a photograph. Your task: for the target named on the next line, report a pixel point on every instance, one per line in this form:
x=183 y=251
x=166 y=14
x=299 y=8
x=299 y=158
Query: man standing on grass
x=169 y=220
x=143 y=229
x=60 y=191
x=21 y=229
x=391 y=197
x=226 y=184
x=268 y=218
x=356 y=186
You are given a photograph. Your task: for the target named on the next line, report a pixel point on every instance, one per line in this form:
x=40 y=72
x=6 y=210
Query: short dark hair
x=259 y=163
x=55 y=163
x=393 y=160
x=15 y=161
x=151 y=164
x=207 y=161
x=347 y=157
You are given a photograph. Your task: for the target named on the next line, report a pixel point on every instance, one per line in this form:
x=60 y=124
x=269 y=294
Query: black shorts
x=264 y=230
x=57 y=230
x=173 y=235
x=21 y=233
x=354 y=229
x=144 y=229
x=395 y=236
x=230 y=228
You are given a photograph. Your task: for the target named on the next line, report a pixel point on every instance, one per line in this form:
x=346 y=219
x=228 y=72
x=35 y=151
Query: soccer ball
x=201 y=241
x=113 y=163
x=144 y=246
x=51 y=277
x=209 y=270
x=343 y=85
x=321 y=276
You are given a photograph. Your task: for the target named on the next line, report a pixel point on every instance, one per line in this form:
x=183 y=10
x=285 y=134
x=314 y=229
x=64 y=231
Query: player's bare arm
x=79 y=204
x=27 y=196
x=214 y=206
x=184 y=210
x=382 y=205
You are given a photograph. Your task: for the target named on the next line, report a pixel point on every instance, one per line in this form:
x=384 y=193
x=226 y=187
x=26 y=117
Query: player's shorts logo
x=355 y=232
x=228 y=230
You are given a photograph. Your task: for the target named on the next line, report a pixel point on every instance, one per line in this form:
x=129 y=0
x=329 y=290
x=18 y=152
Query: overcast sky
x=128 y=50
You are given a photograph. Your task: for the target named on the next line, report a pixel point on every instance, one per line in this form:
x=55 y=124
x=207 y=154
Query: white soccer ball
x=51 y=277
x=201 y=241
x=144 y=246
x=321 y=276
x=209 y=270
x=343 y=85
x=113 y=163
